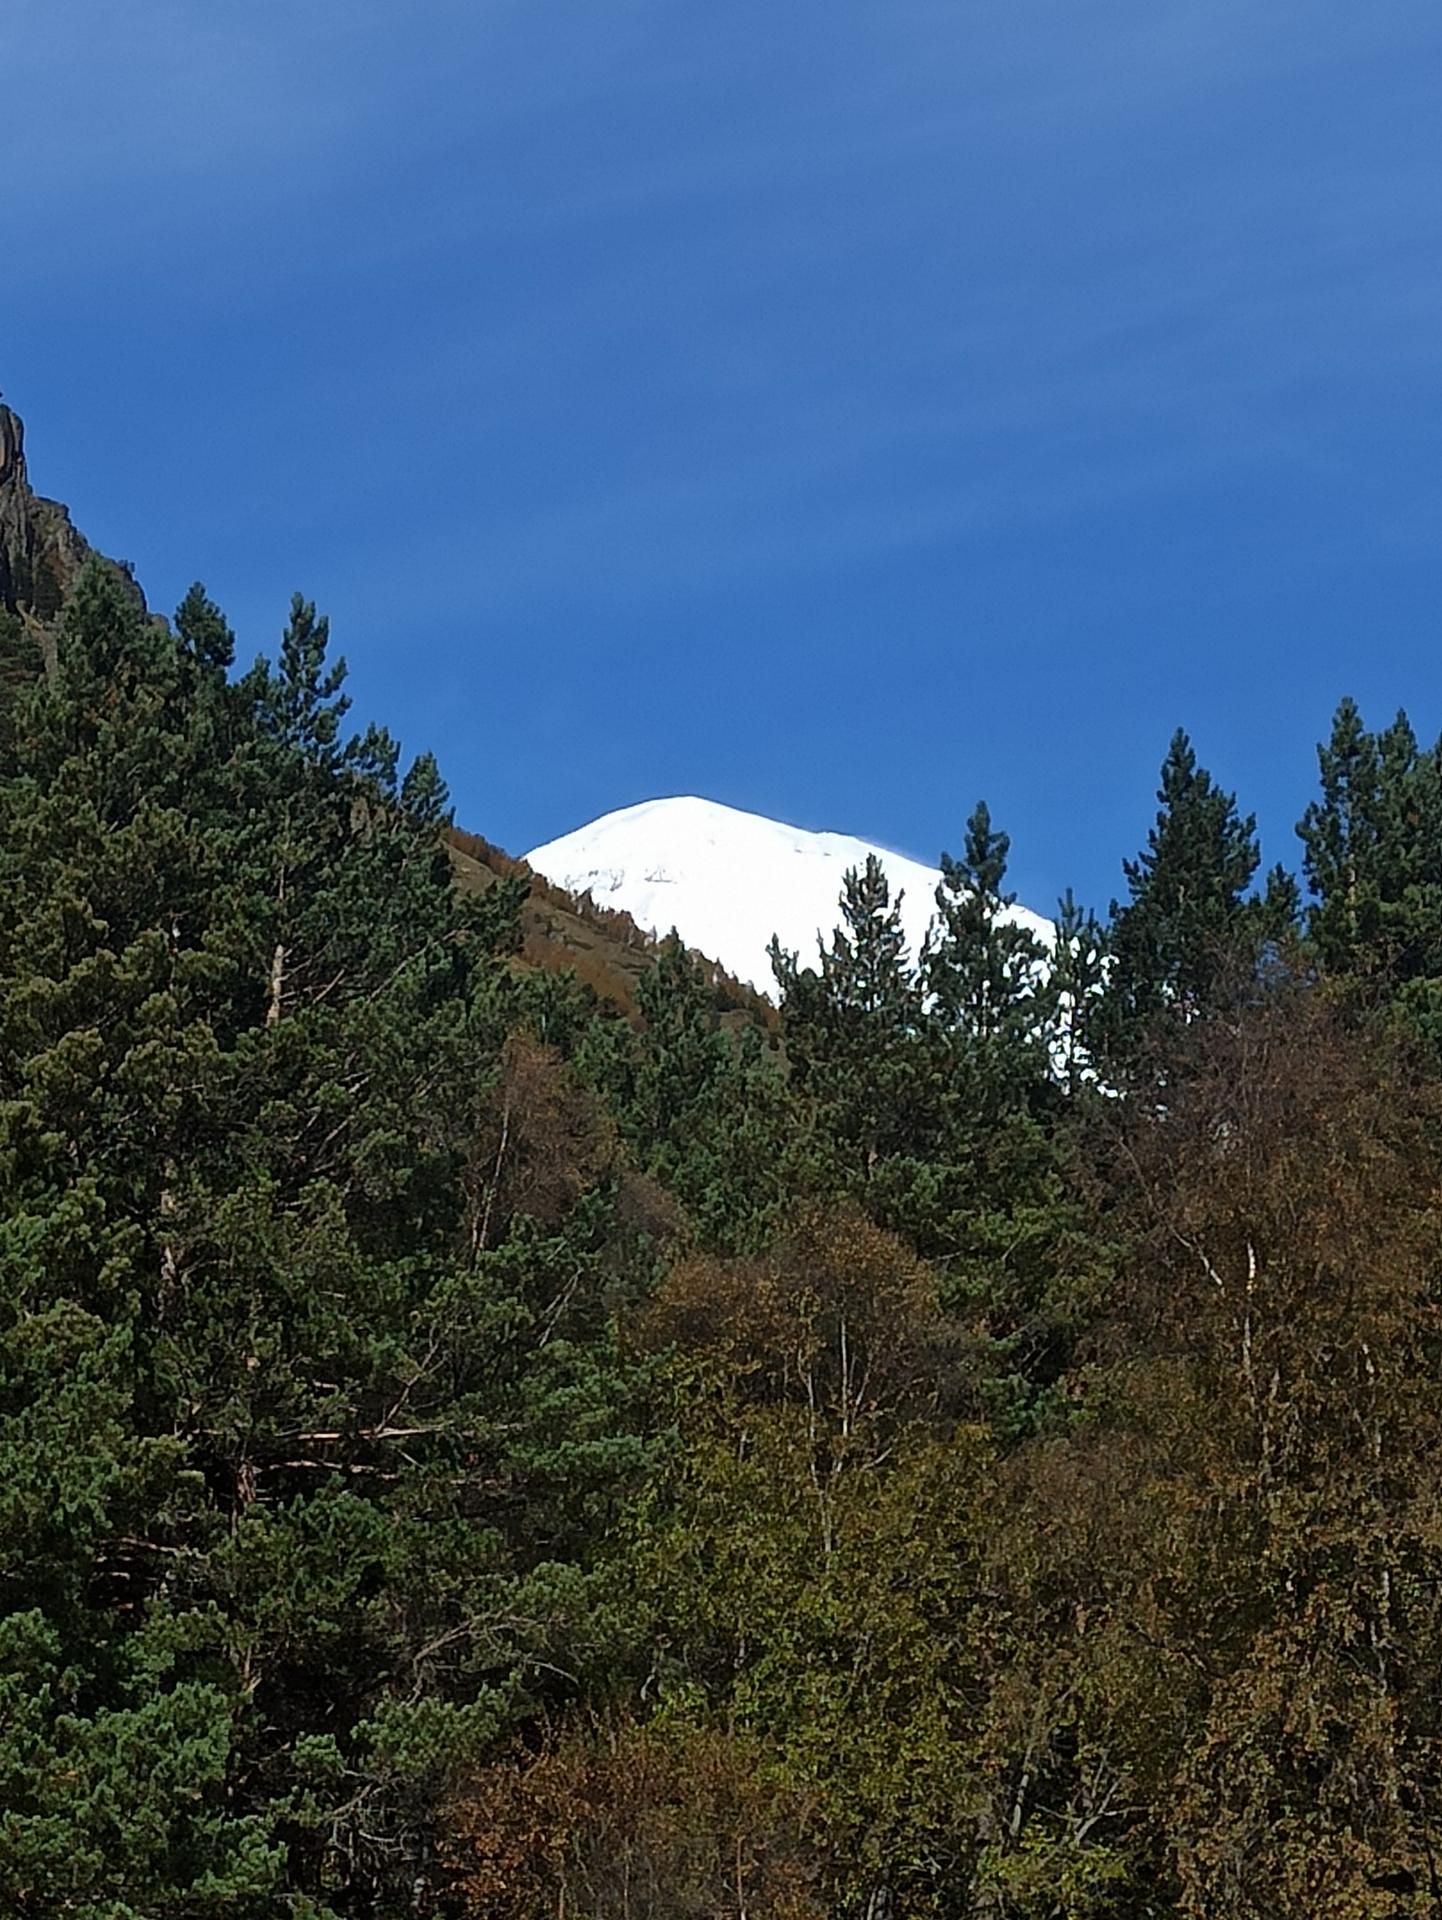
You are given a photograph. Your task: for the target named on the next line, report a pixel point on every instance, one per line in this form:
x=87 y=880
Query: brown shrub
x=841 y=1316
x=544 y=1140
x=631 y=1823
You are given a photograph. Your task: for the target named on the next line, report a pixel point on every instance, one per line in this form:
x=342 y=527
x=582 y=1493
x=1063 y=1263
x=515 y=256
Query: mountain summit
x=727 y=880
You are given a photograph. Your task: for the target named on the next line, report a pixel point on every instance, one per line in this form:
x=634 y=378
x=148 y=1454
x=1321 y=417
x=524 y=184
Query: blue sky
x=840 y=411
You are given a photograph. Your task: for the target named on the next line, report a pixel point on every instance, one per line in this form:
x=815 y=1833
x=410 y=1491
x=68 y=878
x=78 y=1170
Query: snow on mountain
x=727 y=880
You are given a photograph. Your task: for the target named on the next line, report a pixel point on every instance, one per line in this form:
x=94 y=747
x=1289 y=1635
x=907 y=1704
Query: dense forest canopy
x=970 y=1448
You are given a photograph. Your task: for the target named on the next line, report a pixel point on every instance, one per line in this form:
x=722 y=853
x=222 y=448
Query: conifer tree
x=21 y=662
x=204 y=633
x=1373 y=860
x=1078 y=980
x=302 y=1475
x=707 y=1109
x=853 y=1028
x=993 y=1207
x=1191 y=928
x=990 y=997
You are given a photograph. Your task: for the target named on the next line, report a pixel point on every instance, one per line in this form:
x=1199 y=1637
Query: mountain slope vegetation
x=481 y=1437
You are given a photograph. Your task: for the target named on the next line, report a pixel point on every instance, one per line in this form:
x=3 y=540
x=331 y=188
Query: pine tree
x=1373 y=860
x=204 y=633
x=1078 y=980
x=303 y=1474
x=994 y=1208
x=853 y=1029
x=990 y=997
x=1192 y=930
x=706 y=1109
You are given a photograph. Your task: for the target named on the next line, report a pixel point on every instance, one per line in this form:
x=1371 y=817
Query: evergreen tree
x=303 y=1470
x=990 y=994
x=204 y=633
x=1191 y=928
x=1078 y=980
x=21 y=663
x=853 y=1030
x=462 y=1448
x=994 y=1207
x=1373 y=860
x=681 y=1052
x=706 y=1108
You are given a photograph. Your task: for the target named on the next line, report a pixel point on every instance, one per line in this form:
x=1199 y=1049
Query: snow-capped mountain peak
x=727 y=880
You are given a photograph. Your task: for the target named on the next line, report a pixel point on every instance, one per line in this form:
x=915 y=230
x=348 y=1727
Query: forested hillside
x=968 y=1445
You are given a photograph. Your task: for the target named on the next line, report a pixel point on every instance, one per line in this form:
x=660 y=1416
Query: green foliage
x=940 y=1109
x=972 y=1454
x=1078 y=965
x=989 y=992
x=1191 y=933
x=304 y=1471
x=853 y=1027
x=706 y=1109
x=1373 y=859
x=811 y=1555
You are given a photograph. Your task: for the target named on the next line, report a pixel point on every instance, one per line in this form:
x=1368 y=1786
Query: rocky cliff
x=41 y=551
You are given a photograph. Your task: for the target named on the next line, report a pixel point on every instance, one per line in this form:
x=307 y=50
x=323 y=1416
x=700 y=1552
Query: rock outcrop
x=41 y=551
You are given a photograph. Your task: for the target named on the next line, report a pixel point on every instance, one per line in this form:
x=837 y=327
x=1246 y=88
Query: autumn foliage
x=633 y=1822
